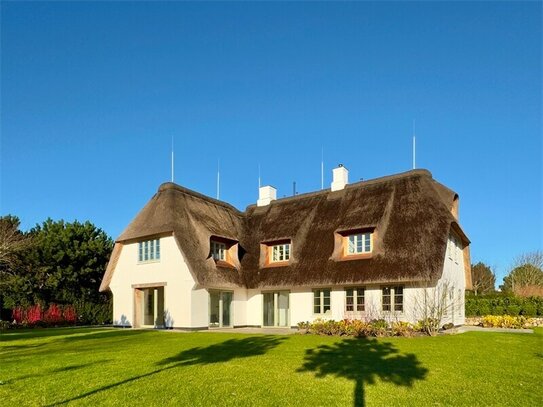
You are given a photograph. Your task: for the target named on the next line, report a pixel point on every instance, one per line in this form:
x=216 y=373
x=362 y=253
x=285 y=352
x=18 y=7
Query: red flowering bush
x=34 y=314
x=69 y=314
x=53 y=315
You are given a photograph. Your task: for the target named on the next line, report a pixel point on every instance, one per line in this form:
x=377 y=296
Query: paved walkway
x=468 y=328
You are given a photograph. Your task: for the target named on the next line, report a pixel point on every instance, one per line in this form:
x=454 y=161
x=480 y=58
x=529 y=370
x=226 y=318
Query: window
x=218 y=251
x=280 y=252
x=354 y=299
x=359 y=243
x=321 y=301
x=149 y=250
x=392 y=298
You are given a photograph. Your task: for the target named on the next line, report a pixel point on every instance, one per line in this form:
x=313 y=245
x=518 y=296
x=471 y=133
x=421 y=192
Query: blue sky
x=92 y=93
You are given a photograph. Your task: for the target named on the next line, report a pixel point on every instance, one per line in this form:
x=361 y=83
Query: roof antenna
x=218 y=178
x=293 y=188
x=172 y=159
x=322 y=168
x=414 y=146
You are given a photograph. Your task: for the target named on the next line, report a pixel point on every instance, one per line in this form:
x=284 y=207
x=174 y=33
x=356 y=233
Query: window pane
x=146 y=252
x=386 y=298
x=157 y=249
x=351 y=248
x=398 y=298
x=349 y=300
x=140 y=251
x=360 y=299
x=287 y=251
x=367 y=243
x=152 y=250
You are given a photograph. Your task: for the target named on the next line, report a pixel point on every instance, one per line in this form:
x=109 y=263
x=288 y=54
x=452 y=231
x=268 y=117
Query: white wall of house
x=171 y=269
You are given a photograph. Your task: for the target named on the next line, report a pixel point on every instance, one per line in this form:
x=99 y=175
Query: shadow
x=225 y=351
x=217 y=353
x=52 y=371
x=364 y=360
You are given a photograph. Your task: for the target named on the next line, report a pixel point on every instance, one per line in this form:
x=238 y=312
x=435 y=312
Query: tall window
x=354 y=299
x=149 y=250
x=321 y=301
x=280 y=252
x=218 y=251
x=359 y=243
x=392 y=298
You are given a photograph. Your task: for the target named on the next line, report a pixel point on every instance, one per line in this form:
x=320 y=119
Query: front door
x=276 y=309
x=152 y=313
x=220 y=309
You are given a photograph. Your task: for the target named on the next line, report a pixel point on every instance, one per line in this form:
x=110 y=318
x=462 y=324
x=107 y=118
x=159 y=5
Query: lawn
x=123 y=367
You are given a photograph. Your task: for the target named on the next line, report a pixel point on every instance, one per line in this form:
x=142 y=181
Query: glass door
x=153 y=307
x=220 y=308
x=275 y=309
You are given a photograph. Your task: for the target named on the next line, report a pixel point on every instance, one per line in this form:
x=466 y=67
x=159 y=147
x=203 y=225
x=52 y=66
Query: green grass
x=123 y=367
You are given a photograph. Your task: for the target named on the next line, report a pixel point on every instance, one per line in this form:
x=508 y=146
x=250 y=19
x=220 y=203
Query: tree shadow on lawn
x=52 y=371
x=364 y=360
x=216 y=353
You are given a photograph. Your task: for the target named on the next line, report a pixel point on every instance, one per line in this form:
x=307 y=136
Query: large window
x=218 y=251
x=149 y=250
x=359 y=243
x=392 y=298
x=354 y=299
x=280 y=252
x=321 y=301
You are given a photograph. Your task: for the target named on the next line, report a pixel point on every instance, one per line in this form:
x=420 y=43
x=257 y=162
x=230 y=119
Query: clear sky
x=92 y=93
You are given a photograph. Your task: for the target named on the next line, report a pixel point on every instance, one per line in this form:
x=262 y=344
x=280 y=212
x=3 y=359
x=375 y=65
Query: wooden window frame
x=393 y=295
x=149 y=251
x=321 y=298
x=356 y=304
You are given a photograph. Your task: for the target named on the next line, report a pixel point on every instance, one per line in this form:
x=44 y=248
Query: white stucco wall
x=171 y=269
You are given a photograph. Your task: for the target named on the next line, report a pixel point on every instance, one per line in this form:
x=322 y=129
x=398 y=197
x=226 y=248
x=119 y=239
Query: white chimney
x=340 y=177
x=266 y=195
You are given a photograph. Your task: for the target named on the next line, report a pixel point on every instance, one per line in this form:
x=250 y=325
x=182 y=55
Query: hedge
x=503 y=305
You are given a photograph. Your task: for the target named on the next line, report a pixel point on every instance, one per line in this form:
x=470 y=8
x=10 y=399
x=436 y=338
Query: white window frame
x=356 y=295
x=393 y=295
x=320 y=296
x=357 y=243
x=149 y=251
x=218 y=251
x=280 y=252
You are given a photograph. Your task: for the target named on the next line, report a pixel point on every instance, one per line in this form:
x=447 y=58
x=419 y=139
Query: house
x=390 y=247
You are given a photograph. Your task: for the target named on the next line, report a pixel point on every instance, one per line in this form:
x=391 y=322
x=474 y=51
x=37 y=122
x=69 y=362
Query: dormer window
x=149 y=250
x=218 y=251
x=359 y=243
x=280 y=252
x=224 y=251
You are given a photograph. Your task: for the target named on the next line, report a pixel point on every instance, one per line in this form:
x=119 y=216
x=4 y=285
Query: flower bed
x=504 y=321
x=360 y=328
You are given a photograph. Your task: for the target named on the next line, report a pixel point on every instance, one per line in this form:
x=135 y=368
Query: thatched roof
x=411 y=214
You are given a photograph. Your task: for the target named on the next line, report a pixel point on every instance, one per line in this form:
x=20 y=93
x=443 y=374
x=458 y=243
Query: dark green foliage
x=63 y=265
x=483 y=279
x=501 y=304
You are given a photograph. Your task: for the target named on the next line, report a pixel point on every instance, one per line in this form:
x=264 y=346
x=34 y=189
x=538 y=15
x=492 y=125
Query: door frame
x=139 y=306
x=221 y=308
x=276 y=308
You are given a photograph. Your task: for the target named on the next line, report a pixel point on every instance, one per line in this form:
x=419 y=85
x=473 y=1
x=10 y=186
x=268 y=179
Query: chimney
x=340 y=177
x=266 y=195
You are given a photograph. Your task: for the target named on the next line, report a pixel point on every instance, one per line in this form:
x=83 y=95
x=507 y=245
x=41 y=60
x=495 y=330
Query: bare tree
x=436 y=305
x=12 y=242
x=526 y=274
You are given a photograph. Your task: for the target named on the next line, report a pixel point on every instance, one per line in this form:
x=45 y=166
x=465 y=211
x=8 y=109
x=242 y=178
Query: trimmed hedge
x=503 y=305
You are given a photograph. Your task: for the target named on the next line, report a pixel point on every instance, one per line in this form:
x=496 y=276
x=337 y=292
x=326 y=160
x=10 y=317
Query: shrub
x=69 y=314
x=504 y=321
x=34 y=314
x=53 y=315
x=503 y=304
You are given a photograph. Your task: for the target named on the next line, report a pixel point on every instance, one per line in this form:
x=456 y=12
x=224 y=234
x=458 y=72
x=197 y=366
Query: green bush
x=503 y=304
x=359 y=328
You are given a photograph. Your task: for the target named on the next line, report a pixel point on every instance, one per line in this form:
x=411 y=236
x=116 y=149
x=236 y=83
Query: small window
x=280 y=252
x=321 y=301
x=359 y=243
x=392 y=298
x=354 y=299
x=149 y=250
x=218 y=251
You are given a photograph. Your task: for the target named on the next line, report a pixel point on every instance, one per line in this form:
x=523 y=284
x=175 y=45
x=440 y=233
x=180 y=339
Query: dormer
x=224 y=251
x=276 y=253
x=354 y=244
